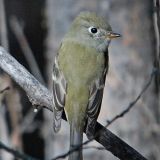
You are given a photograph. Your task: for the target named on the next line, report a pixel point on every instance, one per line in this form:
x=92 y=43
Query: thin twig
x=5 y=89
x=94 y=147
x=131 y=104
x=75 y=149
x=16 y=153
x=156 y=19
x=17 y=30
x=28 y=120
x=3 y=26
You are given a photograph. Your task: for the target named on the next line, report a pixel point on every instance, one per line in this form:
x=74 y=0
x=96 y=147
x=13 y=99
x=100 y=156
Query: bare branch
x=37 y=93
x=16 y=153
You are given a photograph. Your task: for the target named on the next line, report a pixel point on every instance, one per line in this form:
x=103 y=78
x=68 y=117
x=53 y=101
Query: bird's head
x=91 y=30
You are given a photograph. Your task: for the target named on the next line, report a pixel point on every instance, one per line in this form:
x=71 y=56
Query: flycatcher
x=79 y=74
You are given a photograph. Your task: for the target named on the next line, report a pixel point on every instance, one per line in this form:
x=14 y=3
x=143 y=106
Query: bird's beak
x=113 y=35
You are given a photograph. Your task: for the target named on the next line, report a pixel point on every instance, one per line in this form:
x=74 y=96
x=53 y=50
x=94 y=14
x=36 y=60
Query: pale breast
x=80 y=64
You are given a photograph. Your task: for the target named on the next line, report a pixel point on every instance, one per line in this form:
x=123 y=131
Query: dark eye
x=93 y=30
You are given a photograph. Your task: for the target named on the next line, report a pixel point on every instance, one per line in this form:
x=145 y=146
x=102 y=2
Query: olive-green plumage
x=80 y=65
x=79 y=75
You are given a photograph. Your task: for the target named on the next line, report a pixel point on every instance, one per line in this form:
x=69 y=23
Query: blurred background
x=32 y=32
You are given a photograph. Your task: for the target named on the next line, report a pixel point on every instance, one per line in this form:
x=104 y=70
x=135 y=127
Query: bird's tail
x=76 y=139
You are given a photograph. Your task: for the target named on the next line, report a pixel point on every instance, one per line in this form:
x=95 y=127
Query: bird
x=79 y=74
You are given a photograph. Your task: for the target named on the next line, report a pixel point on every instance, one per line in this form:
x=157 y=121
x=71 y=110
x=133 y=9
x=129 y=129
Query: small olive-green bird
x=79 y=76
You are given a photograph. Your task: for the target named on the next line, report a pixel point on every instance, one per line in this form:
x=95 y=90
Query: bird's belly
x=85 y=71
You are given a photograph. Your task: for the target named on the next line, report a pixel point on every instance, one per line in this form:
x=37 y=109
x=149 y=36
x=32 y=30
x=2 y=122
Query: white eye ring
x=93 y=30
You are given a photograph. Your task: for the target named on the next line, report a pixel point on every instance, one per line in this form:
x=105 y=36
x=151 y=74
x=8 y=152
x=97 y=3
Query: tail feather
x=76 y=139
x=57 y=120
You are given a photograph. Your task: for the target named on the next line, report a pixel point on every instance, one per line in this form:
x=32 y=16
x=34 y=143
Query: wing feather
x=59 y=92
x=95 y=100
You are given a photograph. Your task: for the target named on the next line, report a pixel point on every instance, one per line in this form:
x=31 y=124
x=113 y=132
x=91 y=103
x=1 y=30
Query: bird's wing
x=59 y=92
x=95 y=100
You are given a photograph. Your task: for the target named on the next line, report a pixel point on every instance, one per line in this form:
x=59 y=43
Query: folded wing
x=59 y=93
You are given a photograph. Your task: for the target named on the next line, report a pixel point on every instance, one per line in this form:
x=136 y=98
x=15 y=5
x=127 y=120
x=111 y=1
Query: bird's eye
x=93 y=30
